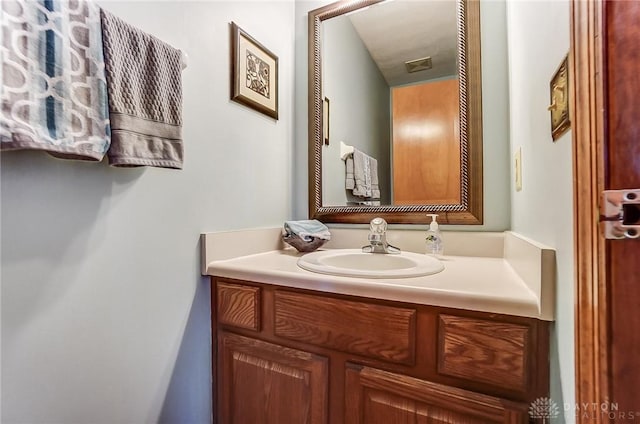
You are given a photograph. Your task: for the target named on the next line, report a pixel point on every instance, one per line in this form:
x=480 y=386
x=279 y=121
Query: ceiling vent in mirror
x=418 y=64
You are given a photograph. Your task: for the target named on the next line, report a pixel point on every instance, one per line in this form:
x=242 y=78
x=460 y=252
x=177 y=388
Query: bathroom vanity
x=299 y=356
x=293 y=346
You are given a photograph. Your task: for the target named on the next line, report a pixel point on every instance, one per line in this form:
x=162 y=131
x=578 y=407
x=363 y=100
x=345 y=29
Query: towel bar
x=345 y=150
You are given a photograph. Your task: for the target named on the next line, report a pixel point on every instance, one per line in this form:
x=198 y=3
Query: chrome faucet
x=378 y=238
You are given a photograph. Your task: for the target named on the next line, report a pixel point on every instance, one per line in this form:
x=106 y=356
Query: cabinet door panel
x=377 y=331
x=383 y=407
x=238 y=305
x=380 y=397
x=263 y=383
x=486 y=351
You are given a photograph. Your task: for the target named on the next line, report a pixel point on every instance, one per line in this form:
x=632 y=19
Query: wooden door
x=623 y=171
x=263 y=383
x=606 y=132
x=426 y=143
x=379 y=397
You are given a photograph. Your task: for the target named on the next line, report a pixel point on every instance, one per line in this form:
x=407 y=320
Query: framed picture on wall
x=254 y=73
x=559 y=88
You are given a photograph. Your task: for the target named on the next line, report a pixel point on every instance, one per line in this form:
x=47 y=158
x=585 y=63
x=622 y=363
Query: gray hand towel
x=365 y=171
x=144 y=82
x=349 y=180
x=375 y=188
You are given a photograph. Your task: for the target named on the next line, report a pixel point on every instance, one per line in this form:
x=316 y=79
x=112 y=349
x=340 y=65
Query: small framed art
x=559 y=93
x=254 y=73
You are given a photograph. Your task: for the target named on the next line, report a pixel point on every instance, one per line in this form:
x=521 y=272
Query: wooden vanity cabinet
x=285 y=355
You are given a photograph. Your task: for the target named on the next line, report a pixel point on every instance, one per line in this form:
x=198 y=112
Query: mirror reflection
x=410 y=155
x=391 y=105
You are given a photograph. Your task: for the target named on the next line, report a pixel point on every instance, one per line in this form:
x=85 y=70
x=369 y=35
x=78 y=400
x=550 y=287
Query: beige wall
x=359 y=110
x=105 y=317
x=543 y=210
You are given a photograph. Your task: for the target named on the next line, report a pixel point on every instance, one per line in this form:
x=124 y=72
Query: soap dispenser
x=434 y=240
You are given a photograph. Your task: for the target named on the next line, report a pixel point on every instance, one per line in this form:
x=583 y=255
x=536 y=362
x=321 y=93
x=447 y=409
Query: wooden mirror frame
x=470 y=209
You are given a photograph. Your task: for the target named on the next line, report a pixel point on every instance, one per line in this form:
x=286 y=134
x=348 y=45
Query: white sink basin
x=354 y=263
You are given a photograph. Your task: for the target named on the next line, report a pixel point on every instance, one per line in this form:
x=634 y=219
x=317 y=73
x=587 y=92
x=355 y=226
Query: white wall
x=359 y=110
x=105 y=318
x=495 y=115
x=543 y=210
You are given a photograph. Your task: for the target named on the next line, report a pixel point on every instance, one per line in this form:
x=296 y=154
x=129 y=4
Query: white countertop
x=473 y=283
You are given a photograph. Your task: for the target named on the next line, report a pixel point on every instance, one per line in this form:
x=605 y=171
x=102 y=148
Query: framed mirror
x=404 y=79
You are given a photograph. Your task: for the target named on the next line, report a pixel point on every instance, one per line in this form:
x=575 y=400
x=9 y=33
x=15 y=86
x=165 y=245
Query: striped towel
x=53 y=93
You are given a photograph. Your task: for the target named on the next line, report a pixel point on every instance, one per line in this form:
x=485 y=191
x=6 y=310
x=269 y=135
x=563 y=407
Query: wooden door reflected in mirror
x=426 y=143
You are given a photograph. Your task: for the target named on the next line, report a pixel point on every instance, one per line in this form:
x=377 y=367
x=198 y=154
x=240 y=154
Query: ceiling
x=403 y=30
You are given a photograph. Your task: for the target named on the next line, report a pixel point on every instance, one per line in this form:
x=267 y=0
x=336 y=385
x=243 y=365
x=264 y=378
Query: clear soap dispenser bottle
x=434 y=240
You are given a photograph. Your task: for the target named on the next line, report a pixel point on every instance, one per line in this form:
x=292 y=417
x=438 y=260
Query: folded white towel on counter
x=52 y=84
x=307 y=229
x=144 y=78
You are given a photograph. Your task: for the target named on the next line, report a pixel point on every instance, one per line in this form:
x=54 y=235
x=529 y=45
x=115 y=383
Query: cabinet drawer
x=484 y=351
x=376 y=331
x=238 y=305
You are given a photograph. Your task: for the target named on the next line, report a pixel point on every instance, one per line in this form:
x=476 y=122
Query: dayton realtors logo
x=544 y=409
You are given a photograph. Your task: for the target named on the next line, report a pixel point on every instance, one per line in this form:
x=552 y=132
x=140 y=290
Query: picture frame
x=254 y=73
x=559 y=95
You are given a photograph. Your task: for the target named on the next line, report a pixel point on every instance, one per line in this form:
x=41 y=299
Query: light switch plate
x=518 y=170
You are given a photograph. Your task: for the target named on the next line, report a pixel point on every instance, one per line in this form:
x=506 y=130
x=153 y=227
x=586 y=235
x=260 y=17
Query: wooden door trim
x=588 y=72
